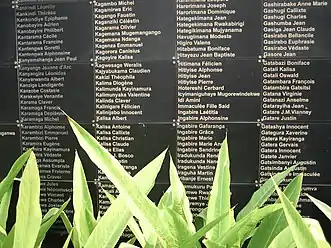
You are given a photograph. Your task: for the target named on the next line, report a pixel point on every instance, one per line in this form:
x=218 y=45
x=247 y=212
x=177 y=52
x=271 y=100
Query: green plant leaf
x=68 y=226
x=242 y=229
x=200 y=219
x=274 y=223
x=180 y=202
x=67 y=242
x=6 y=183
x=317 y=231
x=28 y=213
x=219 y=201
x=201 y=232
x=300 y=231
x=48 y=222
x=211 y=244
x=284 y=239
x=166 y=199
x=106 y=234
x=126 y=245
x=3 y=231
x=139 y=204
x=4 y=207
x=132 y=241
x=9 y=239
x=263 y=193
x=131 y=223
x=321 y=205
x=84 y=220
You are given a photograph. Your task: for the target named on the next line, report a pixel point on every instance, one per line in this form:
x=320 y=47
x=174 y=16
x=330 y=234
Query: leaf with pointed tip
x=6 y=183
x=67 y=242
x=50 y=213
x=180 y=202
x=263 y=193
x=84 y=220
x=28 y=212
x=105 y=234
x=321 y=205
x=241 y=230
x=274 y=223
x=166 y=199
x=132 y=240
x=300 y=231
x=219 y=201
x=139 y=204
x=200 y=219
x=317 y=231
x=4 y=207
x=48 y=223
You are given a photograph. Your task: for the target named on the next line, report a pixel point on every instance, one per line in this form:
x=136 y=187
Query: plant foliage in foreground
x=170 y=223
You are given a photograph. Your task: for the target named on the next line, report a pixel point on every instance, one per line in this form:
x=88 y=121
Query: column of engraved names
x=40 y=34
x=289 y=38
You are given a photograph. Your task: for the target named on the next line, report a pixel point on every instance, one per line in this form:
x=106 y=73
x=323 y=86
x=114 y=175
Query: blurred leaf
x=8 y=242
x=6 y=183
x=28 y=213
x=126 y=245
x=2 y=231
x=200 y=219
x=67 y=242
x=180 y=202
x=219 y=201
x=139 y=204
x=242 y=229
x=201 y=232
x=68 y=226
x=48 y=223
x=317 y=231
x=300 y=231
x=284 y=239
x=4 y=207
x=134 y=227
x=211 y=244
x=113 y=222
x=321 y=205
x=274 y=223
x=263 y=193
x=84 y=220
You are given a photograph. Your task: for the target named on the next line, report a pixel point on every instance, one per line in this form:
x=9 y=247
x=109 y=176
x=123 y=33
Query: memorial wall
x=142 y=75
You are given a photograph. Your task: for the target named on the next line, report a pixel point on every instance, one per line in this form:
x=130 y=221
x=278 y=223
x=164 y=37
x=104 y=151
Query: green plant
x=170 y=223
x=322 y=206
x=30 y=228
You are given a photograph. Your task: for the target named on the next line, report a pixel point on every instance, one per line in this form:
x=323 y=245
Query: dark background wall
x=143 y=75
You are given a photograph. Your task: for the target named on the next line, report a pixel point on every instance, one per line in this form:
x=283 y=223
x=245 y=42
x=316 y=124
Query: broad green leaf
x=238 y=232
x=67 y=242
x=284 y=239
x=178 y=227
x=200 y=219
x=321 y=205
x=219 y=201
x=139 y=204
x=274 y=223
x=113 y=222
x=263 y=193
x=48 y=223
x=180 y=202
x=4 y=207
x=50 y=213
x=28 y=212
x=84 y=220
x=300 y=231
x=317 y=231
x=134 y=227
x=68 y=226
x=201 y=232
x=13 y=172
